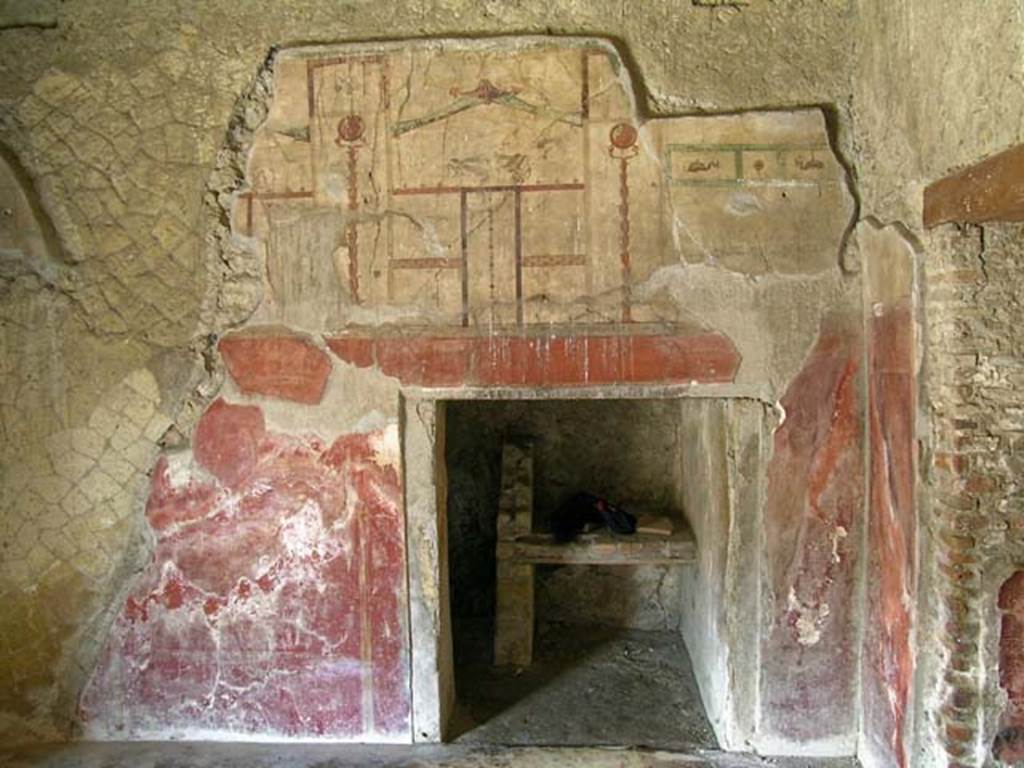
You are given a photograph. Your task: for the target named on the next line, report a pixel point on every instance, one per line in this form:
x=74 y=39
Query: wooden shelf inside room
x=603 y=548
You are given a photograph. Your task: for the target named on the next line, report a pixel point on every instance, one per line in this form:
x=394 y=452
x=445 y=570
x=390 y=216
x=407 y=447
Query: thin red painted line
x=375 y=58
x=365 y=636
x=276 y=195
x=519 y=255
x=385 y=83
x=310 y=100
x=439 y=263
x=573 y=186
x=353 y=232
x=627 y=312
x=555 y=260
x=585 y=84
x=464 y=237
x=428 y=191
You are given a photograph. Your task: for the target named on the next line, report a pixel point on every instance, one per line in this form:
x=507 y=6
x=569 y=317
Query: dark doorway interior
x=609 y=665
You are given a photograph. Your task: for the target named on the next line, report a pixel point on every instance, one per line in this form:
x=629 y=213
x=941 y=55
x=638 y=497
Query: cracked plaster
x=119 y=118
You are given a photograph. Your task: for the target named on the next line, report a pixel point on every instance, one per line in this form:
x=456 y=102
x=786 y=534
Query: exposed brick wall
x=975 y=361
x=1009 y=742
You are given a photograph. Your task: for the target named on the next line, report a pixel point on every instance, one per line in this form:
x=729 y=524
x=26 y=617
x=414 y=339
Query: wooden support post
x=513 y=615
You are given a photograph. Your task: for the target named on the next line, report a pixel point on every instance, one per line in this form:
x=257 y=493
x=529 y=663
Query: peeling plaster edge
x=923 y=503
x=83 y=649
x=418 y=722
x=833 y=128
x=475 y=42
x=203 y=385
x=743 y=712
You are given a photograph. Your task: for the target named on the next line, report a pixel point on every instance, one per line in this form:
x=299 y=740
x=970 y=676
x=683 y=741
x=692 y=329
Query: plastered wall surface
x=923 y=106
x=131 y=126
x=937 y=86
x=128 y=127
x=382 y=252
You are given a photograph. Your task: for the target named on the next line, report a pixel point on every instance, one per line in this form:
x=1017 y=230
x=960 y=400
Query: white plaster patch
x=182 y=469
x=354 y=400
x=372 y=422
x=780 y=409
x=387 y=447
x=809 y=619
x=743 y=204
x=302 y=534
x=838 y=535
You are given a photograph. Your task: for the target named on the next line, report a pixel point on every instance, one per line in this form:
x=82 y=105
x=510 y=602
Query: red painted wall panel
x=813 y=513
x=275 y=600
x=525 y=361
x=888 y=664
x=278 y=365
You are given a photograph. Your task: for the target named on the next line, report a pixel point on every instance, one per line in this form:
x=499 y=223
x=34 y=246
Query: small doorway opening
x=569 y=643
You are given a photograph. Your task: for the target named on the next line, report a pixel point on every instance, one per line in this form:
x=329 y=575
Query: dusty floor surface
x=597 y=686
x=587 y=685
x=194 y=755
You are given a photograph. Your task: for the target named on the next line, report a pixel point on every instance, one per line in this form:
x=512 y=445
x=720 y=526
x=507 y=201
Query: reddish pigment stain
x=174 y=595
x=226 y=440
x=888 y=666
x=1009 y=742
x=520 y=361
x=274 y=603
x=168 y=506
x=812 y=514
x=282 y=366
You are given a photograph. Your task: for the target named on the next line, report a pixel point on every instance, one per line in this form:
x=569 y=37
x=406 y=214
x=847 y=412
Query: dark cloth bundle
x=585 y=510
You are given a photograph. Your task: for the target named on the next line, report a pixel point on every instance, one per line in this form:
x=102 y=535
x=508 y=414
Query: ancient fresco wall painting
x=489 y=214
x=275 y=601
x=512 y=199
x=813 y=513
x=888 y=663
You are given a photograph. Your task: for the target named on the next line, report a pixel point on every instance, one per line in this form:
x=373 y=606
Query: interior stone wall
x=974 y=316
x=130 y=123
x=126 y=121
x=937 y=86
x=624 y=450
x=726 y=450
x=923 y=105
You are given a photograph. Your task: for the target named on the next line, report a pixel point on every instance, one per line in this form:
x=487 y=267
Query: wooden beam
x=602 y=548
x=992 y=190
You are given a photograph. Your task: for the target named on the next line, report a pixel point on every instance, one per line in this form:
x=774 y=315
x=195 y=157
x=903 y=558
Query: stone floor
x=192 y=755
x=629 y=695
x=587 y=686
